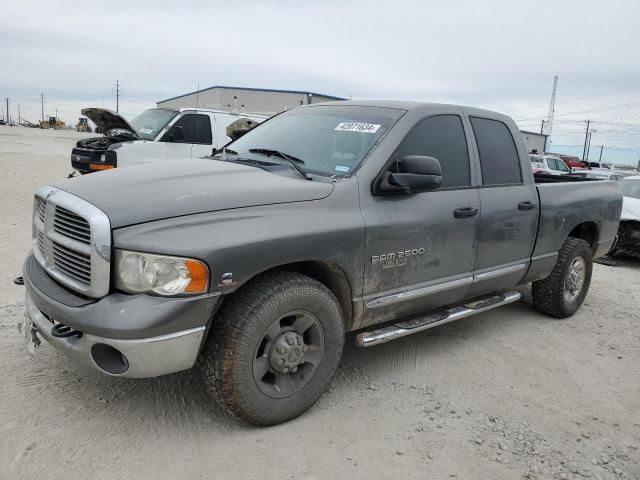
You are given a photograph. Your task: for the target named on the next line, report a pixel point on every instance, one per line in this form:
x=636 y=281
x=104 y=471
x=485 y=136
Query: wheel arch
x=587 y=231
x=329 y=274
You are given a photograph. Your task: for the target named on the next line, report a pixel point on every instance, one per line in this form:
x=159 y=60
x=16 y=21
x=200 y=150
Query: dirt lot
x=508 y=394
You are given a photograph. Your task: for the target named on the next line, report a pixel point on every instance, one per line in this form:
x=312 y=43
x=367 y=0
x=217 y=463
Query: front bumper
x=122 y=335
x=146 y=357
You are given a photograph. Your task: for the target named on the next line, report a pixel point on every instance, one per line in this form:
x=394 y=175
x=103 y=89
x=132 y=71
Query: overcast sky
x=500 y=55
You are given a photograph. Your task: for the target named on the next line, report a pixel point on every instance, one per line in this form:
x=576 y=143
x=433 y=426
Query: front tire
x=563 y=291
x=273 y=348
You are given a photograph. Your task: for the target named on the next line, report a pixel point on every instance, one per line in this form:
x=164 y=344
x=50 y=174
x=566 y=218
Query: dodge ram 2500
x=387 y=218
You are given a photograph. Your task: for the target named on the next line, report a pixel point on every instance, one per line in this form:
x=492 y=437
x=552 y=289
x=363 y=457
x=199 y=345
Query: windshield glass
x=149 y=123
x=329 y=140
x=630 y=188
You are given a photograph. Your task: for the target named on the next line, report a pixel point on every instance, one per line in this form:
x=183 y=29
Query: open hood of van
x=108 y=120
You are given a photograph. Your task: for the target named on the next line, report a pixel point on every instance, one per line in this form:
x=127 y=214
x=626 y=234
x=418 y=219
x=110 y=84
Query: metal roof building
x=250 y=100
x=534 y=141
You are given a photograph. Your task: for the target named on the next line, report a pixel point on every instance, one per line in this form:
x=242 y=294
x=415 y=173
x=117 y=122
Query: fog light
x=109 y=359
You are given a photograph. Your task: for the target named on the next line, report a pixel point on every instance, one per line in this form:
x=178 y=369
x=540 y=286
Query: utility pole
x=601 y=148
x=19 y=120
x=117 y=96
x=586 y=137
x=542 y=127
x=8 y=119
x=589 y=144
x=42 y=105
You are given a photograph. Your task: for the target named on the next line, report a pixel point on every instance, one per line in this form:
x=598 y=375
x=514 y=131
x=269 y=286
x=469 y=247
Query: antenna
x=552 y=107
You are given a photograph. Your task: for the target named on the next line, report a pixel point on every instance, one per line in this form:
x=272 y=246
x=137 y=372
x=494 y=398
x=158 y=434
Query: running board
x=440 y=317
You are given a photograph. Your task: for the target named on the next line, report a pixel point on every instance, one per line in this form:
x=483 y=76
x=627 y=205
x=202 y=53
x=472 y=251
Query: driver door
x=420 y=248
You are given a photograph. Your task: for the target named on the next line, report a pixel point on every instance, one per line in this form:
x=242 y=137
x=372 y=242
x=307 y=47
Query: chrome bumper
x=146 y=357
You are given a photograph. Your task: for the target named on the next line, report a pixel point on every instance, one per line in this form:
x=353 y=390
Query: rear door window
x=442 y=137
x=499 y=159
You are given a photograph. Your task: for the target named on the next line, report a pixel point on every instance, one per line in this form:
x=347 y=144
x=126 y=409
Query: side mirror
x=416 y=174
x=175 y=134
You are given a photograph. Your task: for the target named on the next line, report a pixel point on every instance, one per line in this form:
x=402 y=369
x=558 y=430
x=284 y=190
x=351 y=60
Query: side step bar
x=440 y=317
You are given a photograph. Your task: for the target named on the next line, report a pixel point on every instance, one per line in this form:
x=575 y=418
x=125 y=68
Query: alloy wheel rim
x=574 y=280
x=288 y=354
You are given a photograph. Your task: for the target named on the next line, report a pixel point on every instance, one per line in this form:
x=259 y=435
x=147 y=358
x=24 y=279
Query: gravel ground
x=508 y=394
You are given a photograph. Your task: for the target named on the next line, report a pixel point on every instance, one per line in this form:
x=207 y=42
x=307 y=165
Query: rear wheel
x=273 y=348
x=563 y=291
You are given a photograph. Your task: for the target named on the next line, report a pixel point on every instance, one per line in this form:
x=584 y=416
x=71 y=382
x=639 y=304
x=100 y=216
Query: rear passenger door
x=508 y=209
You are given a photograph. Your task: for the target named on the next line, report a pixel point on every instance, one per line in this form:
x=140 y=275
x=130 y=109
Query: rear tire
x=563 y=291
x=273 y=348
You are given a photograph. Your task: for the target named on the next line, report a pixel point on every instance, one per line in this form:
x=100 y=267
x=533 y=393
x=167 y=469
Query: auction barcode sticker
x=357 y=127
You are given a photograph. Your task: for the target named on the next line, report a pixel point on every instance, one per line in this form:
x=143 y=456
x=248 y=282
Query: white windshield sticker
x=342 y=168
x=146 y=131
x=358 y=127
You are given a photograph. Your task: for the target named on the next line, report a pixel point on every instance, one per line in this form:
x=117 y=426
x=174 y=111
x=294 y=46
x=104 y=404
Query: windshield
x=630 y=188
x=149 y=123
x=325 y=140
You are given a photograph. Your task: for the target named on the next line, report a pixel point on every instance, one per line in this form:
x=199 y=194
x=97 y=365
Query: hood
x=108 y=120
x=146 y=193
x=630 y=209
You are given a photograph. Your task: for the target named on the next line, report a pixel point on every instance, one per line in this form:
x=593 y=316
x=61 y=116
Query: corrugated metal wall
x=263 y=102
x=535 y=142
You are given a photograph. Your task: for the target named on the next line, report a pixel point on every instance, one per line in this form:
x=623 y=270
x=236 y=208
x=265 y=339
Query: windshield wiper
x=293 y=161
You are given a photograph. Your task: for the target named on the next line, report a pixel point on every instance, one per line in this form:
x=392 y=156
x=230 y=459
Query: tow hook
x=61 y=331
x=18 y=281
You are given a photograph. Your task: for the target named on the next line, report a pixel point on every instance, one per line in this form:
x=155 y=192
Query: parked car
x=572 y=162
x=549 y=164
x=629 y=231
x=155 y=135
x=387 y=218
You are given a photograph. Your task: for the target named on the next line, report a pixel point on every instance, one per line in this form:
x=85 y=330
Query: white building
x=250 y=100
x=535 y=142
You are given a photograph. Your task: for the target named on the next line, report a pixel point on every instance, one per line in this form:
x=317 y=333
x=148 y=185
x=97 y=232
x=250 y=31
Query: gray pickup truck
x=386 y=218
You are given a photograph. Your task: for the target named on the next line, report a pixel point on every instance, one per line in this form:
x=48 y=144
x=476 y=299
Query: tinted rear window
x=498 y=155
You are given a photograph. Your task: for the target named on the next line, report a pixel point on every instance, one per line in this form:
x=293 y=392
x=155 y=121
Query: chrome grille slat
x=70 y=232
x=60 y=262
x=71 y=225
x=72 y=262
x=73 y=274
x=40 y=240
x=72 y=241
x=42 y=206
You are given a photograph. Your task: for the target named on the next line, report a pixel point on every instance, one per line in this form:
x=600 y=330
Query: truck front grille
x=75 y=264
x=71 y=225
x=72 y=241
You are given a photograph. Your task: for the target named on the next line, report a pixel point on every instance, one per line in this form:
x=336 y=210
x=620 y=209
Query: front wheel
x=563 y=291
x=273 y=348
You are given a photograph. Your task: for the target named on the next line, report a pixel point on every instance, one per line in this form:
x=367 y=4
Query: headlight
x=144 y=272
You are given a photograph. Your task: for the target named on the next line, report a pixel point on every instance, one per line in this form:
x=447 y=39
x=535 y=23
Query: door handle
x=465 y=212
x=526 y=206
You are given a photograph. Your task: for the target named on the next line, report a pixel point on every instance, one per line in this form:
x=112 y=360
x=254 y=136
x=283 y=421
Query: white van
x=157 y=134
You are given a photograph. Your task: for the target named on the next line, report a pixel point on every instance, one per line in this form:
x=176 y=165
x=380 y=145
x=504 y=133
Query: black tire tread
x=548 y=293
x=233 y=325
